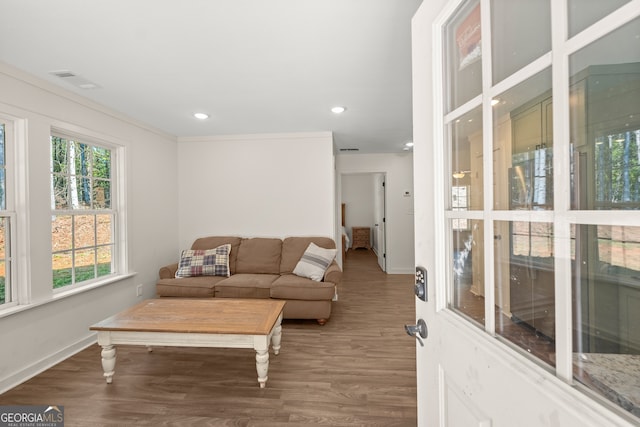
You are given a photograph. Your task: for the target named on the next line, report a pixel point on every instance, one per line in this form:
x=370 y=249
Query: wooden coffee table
x=224 y=322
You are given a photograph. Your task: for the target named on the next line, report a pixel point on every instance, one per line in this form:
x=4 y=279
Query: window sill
x=13 y=309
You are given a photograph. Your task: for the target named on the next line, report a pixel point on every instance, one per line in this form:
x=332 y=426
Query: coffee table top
x=207 y=316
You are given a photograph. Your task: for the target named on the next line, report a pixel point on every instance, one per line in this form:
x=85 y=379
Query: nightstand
x=360 y=237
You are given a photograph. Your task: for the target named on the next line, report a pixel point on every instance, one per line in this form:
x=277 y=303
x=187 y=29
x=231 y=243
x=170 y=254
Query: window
x=7 y=289
x=541 y=206
x=83 y=211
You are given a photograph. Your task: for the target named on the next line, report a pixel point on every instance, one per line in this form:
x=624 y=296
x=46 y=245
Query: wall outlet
x=139 y=290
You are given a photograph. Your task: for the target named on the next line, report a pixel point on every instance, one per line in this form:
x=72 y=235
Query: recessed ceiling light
x=201 y=116
x=409 y=144
x=338 y=110
x=495 y=101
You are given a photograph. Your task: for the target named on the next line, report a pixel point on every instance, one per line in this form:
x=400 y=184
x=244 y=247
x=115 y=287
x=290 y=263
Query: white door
x=379 y=219
x=532 y=241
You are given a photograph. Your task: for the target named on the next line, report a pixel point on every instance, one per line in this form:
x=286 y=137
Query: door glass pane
x=466 y=162
x=463 y=71
x=467 y=296
x=583 y=13
x=605 y=122
x=525 y=286
x=606 y=294
x=520 y=33
x=523 y=145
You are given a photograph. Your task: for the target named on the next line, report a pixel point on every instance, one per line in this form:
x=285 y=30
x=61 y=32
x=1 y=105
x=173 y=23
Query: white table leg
x=277 y=336
x=262 y=366
x=109 y=362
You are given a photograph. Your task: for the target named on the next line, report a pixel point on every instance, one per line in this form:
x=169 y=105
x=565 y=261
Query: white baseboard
x=42 y=365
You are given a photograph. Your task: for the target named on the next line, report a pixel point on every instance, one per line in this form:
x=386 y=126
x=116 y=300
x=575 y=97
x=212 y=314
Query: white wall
x=272 y=185
x=399 y=172
x=358 y=197
x=52 y=329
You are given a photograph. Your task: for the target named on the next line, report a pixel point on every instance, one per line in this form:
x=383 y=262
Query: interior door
x=468 y=373
x=379 y=219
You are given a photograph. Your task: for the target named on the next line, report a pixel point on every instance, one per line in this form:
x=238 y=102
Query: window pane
x=583 y=13
x=60 y=188
x=104 y=229
x=101 y=194
x=61 y=233
x=84 y=231
x=467 y=296
x=606 y=274
x=2 y=144
x=105 y=261
x=85 y=265
x=605 y=122
x=525 y=290
x=80 y=192
x=466 y=161
x=523 y=145
x=61 y=264
x=59 y=155
x=3 y=197
x=520 y=33
x=101 y=162
x=464 y=66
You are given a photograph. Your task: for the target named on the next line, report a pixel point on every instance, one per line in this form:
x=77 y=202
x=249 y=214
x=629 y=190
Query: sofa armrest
x=333 y=273
x=168 y=271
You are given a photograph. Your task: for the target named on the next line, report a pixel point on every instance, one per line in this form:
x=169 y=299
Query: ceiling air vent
x=349 y=149
x=74 y=79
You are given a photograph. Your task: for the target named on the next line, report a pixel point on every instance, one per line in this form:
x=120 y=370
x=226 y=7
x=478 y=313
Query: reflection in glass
x=468 y=271
x=520 y=33
x=466 y=161
x=606 y=287
x=525 y=290
x=463 y=71
x=523 y=145
x=605 y=122
x=582 y=14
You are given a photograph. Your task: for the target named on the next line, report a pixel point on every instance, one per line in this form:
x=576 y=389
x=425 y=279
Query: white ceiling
x=256 y=66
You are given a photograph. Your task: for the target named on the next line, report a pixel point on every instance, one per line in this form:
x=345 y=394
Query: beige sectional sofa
x=261 y=268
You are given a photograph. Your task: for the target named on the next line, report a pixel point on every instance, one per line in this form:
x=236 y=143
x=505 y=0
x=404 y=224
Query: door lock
x=420 y=288
x=419 y=331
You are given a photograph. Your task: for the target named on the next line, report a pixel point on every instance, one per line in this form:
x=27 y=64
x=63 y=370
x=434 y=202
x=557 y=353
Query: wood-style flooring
x=357 y=370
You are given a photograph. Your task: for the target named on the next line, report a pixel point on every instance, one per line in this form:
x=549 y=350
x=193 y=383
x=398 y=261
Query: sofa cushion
x=259 y=255
x=215 y=241
x=192 y=287
x=294 y=247
x=204 y=262
x=245 y=285
x=314 y=262
x=290 y=286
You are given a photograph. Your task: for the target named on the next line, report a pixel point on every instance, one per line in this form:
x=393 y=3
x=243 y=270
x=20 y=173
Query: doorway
x=364 y=201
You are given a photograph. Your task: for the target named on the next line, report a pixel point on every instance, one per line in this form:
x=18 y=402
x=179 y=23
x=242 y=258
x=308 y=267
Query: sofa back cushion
x=259 y=255
x=293 y=248
x=215 y=241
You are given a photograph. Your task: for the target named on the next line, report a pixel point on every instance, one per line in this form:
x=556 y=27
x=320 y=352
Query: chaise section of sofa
x=261 y=268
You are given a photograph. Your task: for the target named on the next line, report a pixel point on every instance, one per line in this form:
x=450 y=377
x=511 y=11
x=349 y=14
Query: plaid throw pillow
x=314 y=262
x=204 y=262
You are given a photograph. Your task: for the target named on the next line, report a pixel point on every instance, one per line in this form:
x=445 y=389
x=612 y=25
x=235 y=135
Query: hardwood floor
x=357 y=370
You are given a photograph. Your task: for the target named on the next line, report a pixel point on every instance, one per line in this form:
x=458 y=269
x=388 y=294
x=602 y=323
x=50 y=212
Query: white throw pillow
x=314 y=262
